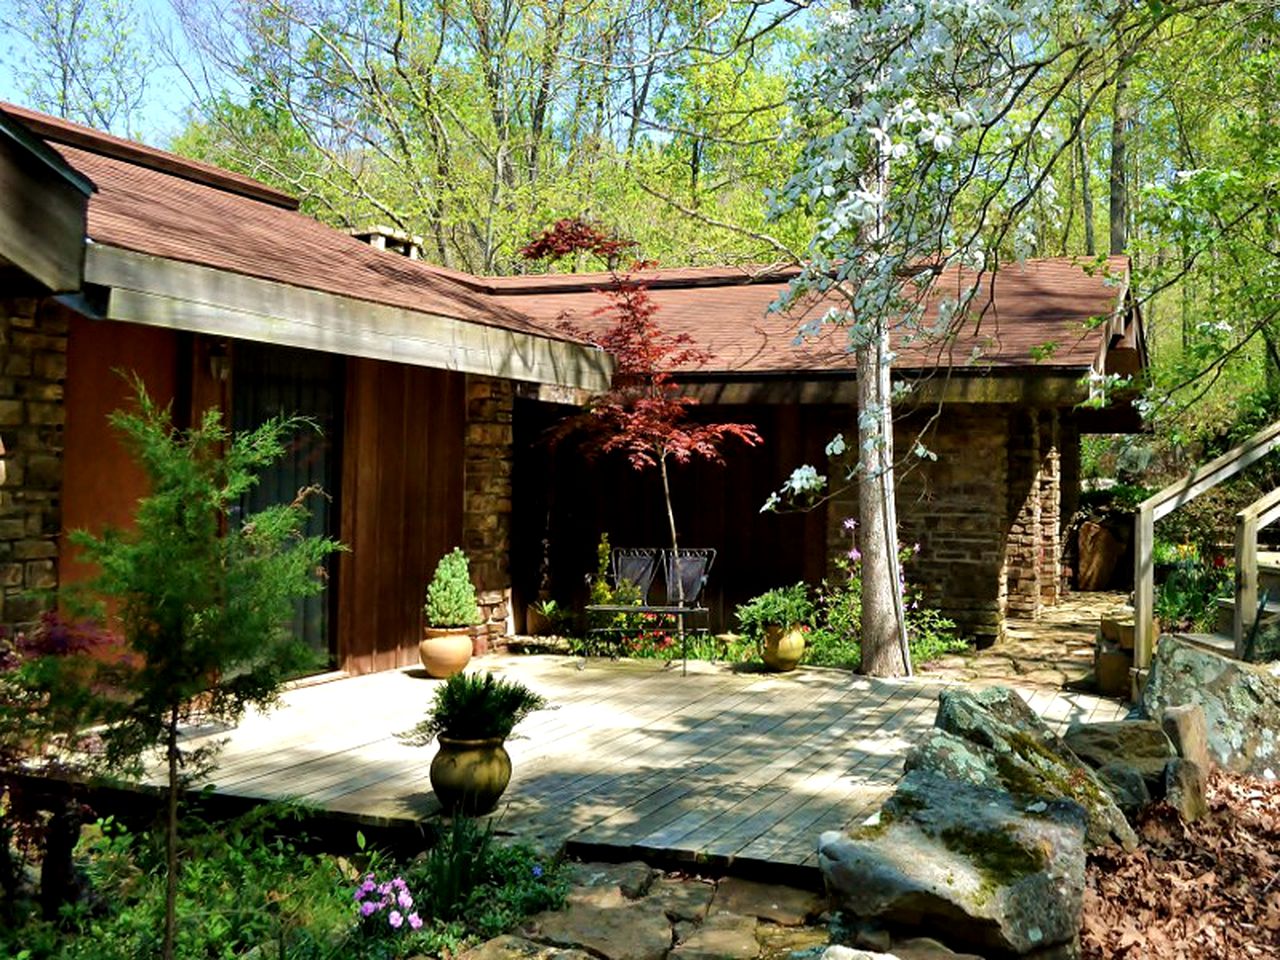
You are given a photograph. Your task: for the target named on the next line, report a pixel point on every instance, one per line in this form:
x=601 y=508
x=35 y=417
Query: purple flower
x=415 y=921
x=368 y=886
x=405 y=901
x=395 y=919
x=850 y=524
x=368 y=908
x=855 y=554
x=399 y=883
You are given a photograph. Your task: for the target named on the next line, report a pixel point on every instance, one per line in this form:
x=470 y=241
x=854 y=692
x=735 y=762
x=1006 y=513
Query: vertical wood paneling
x=101 y=482
x=402 y=505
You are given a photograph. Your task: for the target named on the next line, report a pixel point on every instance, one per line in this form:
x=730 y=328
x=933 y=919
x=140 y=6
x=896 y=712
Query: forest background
x=476 y=123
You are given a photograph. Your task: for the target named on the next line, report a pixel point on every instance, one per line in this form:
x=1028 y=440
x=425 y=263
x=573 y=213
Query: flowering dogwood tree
x=643 y=415
x=931 y=132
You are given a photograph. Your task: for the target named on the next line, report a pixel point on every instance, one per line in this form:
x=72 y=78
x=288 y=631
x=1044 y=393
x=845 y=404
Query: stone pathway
x=1052 y=654
x=628 y=911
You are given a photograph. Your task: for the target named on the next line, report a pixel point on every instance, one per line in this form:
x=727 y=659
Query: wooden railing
x=1164 y=503
x=1249 y=521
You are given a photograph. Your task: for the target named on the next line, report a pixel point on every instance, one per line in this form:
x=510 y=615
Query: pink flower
x=367 y=908
x=395 y=919
x=415 y=921
x=405 y=901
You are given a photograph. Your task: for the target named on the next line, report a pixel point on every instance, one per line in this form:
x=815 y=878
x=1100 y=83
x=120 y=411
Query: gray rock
x=1184 y=789
x=1185 y=727
x=839 y=952
x=724 y=936
x=787 y=906
x=625 y=931
x=1140 y=744
x=632 y=878
x=923 y=948
x=509 y=947
x=682 y=899
x=1030 y=760
x=983 y=868
x=950 y=756
x=1241 y=704
x=1127 y=787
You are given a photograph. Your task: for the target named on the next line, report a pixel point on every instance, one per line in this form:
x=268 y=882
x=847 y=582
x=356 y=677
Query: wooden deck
x=742 y=770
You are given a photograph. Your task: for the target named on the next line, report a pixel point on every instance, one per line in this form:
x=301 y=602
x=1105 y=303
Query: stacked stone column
x=33 y=344
x=486 y=525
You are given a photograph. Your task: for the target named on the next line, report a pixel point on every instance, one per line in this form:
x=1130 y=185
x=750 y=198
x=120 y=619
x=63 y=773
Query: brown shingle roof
x=1015 y=317
x=161 y=204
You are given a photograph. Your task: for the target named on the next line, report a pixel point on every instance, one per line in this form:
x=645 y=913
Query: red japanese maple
x=643 y=414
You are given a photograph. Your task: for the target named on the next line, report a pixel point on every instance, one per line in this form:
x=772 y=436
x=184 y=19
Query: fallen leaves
x=1192 y=890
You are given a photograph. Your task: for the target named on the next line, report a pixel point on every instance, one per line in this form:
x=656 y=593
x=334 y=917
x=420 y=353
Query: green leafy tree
x=203 y=601
x=85 y=60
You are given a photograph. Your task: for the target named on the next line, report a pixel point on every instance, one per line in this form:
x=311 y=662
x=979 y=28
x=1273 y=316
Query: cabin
x=434 y=390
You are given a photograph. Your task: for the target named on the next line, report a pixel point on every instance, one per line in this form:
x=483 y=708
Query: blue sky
x=167 y=95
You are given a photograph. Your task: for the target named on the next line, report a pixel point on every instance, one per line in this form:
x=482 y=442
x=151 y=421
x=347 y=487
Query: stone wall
x=954 y=508
x=33 y=345
x=1050 y=483
x=1022 y=556
x=486 y=524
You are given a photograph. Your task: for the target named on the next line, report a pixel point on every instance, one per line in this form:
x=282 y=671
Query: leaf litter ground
x=1209 y=889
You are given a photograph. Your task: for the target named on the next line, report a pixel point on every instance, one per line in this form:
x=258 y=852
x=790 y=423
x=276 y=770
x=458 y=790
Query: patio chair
x=686 y=575
x=637 y=568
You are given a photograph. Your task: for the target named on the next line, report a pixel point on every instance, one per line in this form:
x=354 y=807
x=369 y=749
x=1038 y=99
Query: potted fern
x=778 y=621
x=451 y=611
x=472 y=715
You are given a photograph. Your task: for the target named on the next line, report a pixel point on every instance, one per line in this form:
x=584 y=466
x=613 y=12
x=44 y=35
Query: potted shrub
x=451 y=611
x=778 y=621
x=472 y=715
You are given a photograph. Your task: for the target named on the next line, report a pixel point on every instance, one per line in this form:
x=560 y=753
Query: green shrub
x=475 y=706
x=780 y=607
x=451 y=597
x=1187 y=599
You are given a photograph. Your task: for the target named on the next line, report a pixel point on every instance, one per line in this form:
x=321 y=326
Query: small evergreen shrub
x=451 y=597
x=475 y=706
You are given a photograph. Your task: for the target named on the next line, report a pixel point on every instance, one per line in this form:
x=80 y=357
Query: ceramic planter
x=469 y=776
x=783 y=647
x=444 y=652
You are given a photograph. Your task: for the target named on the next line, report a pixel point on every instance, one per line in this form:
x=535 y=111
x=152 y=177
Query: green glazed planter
x=783 y=648
x=469 y=776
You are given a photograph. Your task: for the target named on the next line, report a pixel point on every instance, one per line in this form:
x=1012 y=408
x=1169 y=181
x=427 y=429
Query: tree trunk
x=171 y=837
x=1119 y=179
x=1086 y=186
x=883 y=632
x=671 y=521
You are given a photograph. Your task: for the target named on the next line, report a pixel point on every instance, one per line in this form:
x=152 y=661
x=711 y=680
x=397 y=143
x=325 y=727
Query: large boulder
x=993 y=738
x=1140 y=744
x=1241 y=704
x=980 y=868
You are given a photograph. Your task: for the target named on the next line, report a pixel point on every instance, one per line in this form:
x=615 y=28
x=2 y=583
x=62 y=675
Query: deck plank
x=746 y=767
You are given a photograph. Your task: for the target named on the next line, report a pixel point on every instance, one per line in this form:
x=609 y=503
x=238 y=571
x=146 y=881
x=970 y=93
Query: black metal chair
x=636 y=568
x=686 y=575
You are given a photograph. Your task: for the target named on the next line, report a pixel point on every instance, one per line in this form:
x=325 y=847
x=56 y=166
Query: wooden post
x=1144 y=627
x=1246 y=577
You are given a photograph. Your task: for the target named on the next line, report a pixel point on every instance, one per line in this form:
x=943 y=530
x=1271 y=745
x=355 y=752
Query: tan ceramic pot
x=469 y=776
x=444 y=652
x=783 y=648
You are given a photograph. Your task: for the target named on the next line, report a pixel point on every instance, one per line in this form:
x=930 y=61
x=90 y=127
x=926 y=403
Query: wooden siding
x=101 y=483
x=402 y=486
x=569 y=501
